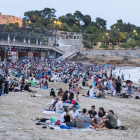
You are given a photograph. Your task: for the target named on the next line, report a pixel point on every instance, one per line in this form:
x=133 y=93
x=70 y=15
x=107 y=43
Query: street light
x=55 y=33
x=107 y=34
x=114 y=26
x=134 y=31
x=79 y=24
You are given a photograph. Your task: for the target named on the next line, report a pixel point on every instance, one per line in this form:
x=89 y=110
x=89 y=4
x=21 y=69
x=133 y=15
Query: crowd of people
x=26 y=75
x=90 y=118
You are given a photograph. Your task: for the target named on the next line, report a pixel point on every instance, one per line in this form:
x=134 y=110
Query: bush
x=104 y=46
x=88 y=46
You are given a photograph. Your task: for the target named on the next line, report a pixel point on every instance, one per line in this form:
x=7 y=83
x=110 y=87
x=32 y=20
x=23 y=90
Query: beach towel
x=46 y=111
x=64 y=127
x=56 y=127
x=38 y=95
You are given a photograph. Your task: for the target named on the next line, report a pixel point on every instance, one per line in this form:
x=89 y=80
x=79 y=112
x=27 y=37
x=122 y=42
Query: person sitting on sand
x=12 y=88
x=92 y=113
x=101 y=112
x=27 y=87
x=60 y=92
x=65 y=96
x=74 y=113
x=110 y=121
x=100 y=93
x=45 y=85
x=32 y=82
x=68 y=119
x=71 y=96
x=52 y=103
x=52 y=93
x=22 y=84
x=91 y=92
x=58 y=106
x=83 y=120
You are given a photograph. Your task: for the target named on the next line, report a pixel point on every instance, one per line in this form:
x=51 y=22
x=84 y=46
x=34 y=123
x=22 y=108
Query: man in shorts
x=77 y=91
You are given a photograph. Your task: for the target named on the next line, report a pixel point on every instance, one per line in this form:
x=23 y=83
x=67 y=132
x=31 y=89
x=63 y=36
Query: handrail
x=29 y=45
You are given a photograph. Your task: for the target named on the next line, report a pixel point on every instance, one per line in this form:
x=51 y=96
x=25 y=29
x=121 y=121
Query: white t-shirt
x=59 y=105
x=91 y=92
x=52 y=101
x=105 y=83
x=74 y=114
x=62 y=117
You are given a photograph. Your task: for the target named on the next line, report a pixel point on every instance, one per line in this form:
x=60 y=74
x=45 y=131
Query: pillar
x=8 y=38
x=28 y=40
x=14 y=39
x=36 y=40
x=24 y=41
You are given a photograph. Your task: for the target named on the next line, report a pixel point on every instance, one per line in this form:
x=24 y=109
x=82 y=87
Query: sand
x=18 y=109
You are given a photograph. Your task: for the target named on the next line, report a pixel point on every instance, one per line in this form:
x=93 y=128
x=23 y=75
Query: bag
x=53 y=119
x=114 y=93
x=77 y=106
x=72 y=102
x=57 y=122
x=118 y=123
x=137 y=97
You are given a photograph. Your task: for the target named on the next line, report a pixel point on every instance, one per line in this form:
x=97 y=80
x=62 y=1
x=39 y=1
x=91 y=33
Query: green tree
x=104 y=46
x=100 y=22
x=125 y=46
x=87 y=46
x=75 y=28
x=112 y=46
x=90 y=29
x=65 y=27
x=90 y=38
x=86 y=20
x=138 y=43
x=79 y=16
x=132 y=44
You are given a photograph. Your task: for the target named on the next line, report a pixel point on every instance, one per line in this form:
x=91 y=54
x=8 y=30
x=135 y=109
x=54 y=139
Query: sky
x=110 y=10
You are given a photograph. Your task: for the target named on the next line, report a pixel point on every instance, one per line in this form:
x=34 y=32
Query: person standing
x=118 y=87
x=77 y=91
x=1 y=86
x=122 y=76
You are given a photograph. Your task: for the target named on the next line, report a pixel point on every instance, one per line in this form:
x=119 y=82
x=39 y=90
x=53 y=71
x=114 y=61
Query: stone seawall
x=128 y=53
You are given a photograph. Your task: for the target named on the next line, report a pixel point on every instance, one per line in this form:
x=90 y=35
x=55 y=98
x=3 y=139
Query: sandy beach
x=18 y=110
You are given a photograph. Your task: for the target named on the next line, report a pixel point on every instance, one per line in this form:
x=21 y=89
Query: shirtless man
x=77 y=91
x=100 y=93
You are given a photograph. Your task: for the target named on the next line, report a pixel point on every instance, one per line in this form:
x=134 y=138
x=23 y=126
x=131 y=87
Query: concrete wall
x=131 y=53
x=63 y=42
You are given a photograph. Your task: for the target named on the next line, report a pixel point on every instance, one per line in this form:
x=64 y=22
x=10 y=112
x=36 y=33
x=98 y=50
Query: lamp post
x=55 y=34
x=103 y=39
x=133 y=38
x=79 y=24
x=108 y=39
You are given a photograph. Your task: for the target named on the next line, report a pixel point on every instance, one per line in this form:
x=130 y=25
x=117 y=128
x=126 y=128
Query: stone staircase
x=68 y=55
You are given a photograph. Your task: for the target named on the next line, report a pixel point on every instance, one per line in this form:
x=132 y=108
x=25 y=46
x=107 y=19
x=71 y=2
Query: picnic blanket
x=56 y=127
